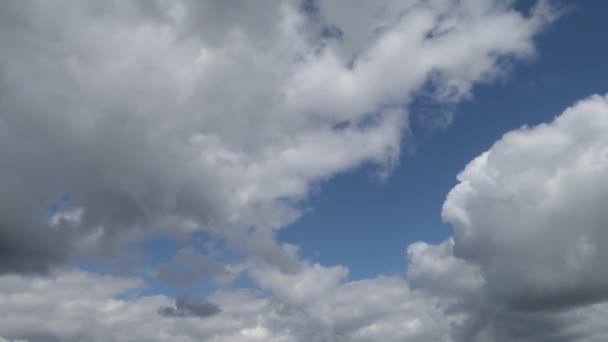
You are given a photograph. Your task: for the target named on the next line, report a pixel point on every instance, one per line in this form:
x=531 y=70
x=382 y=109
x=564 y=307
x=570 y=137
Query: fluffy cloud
x=529 y=213
x=174 y=116
x=81 y=306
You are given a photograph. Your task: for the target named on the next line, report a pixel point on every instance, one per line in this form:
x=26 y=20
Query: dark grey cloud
x=26 y=245
x=499 y=324
x=555 y=302
x=64 y=130
x=188 y=307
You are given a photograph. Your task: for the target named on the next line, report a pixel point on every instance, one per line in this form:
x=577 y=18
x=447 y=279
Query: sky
x=384 y=217
x=303 y=170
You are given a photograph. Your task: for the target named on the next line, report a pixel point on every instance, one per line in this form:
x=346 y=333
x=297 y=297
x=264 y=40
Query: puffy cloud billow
x=529 y=213
x=121 y=120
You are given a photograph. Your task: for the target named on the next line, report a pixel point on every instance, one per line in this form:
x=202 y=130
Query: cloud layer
x=496 y=280
x=80 y=306
x=120 y=120
x=176 y=116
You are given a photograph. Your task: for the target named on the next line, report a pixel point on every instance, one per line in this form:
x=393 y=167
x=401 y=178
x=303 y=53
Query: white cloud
x=172 y=116
x=77 y=306
x=166 y=115
x=525 y=264
x=530 y=214
x=541 y=184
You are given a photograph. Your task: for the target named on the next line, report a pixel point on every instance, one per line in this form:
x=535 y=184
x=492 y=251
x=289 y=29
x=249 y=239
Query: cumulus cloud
x=435 y=269
x=175 y=116
x=82 y=306
x=529 y=213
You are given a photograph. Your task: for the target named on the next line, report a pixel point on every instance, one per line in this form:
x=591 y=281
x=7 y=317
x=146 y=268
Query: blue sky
x=303 y=171
x=367 y=225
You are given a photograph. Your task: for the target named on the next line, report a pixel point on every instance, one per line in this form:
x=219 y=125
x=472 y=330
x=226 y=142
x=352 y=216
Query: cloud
x=178 y=116
x=78 y=305
x=434 y=268
x=185 y=307
x=5 y=340
x=529 y=214
x=525 y=264
x=171 y=117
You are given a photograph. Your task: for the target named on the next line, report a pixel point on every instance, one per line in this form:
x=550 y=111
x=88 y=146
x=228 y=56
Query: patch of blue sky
x=366 y=225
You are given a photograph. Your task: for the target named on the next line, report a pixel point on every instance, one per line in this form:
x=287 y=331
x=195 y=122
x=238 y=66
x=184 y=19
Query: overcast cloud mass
x=122 y=120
